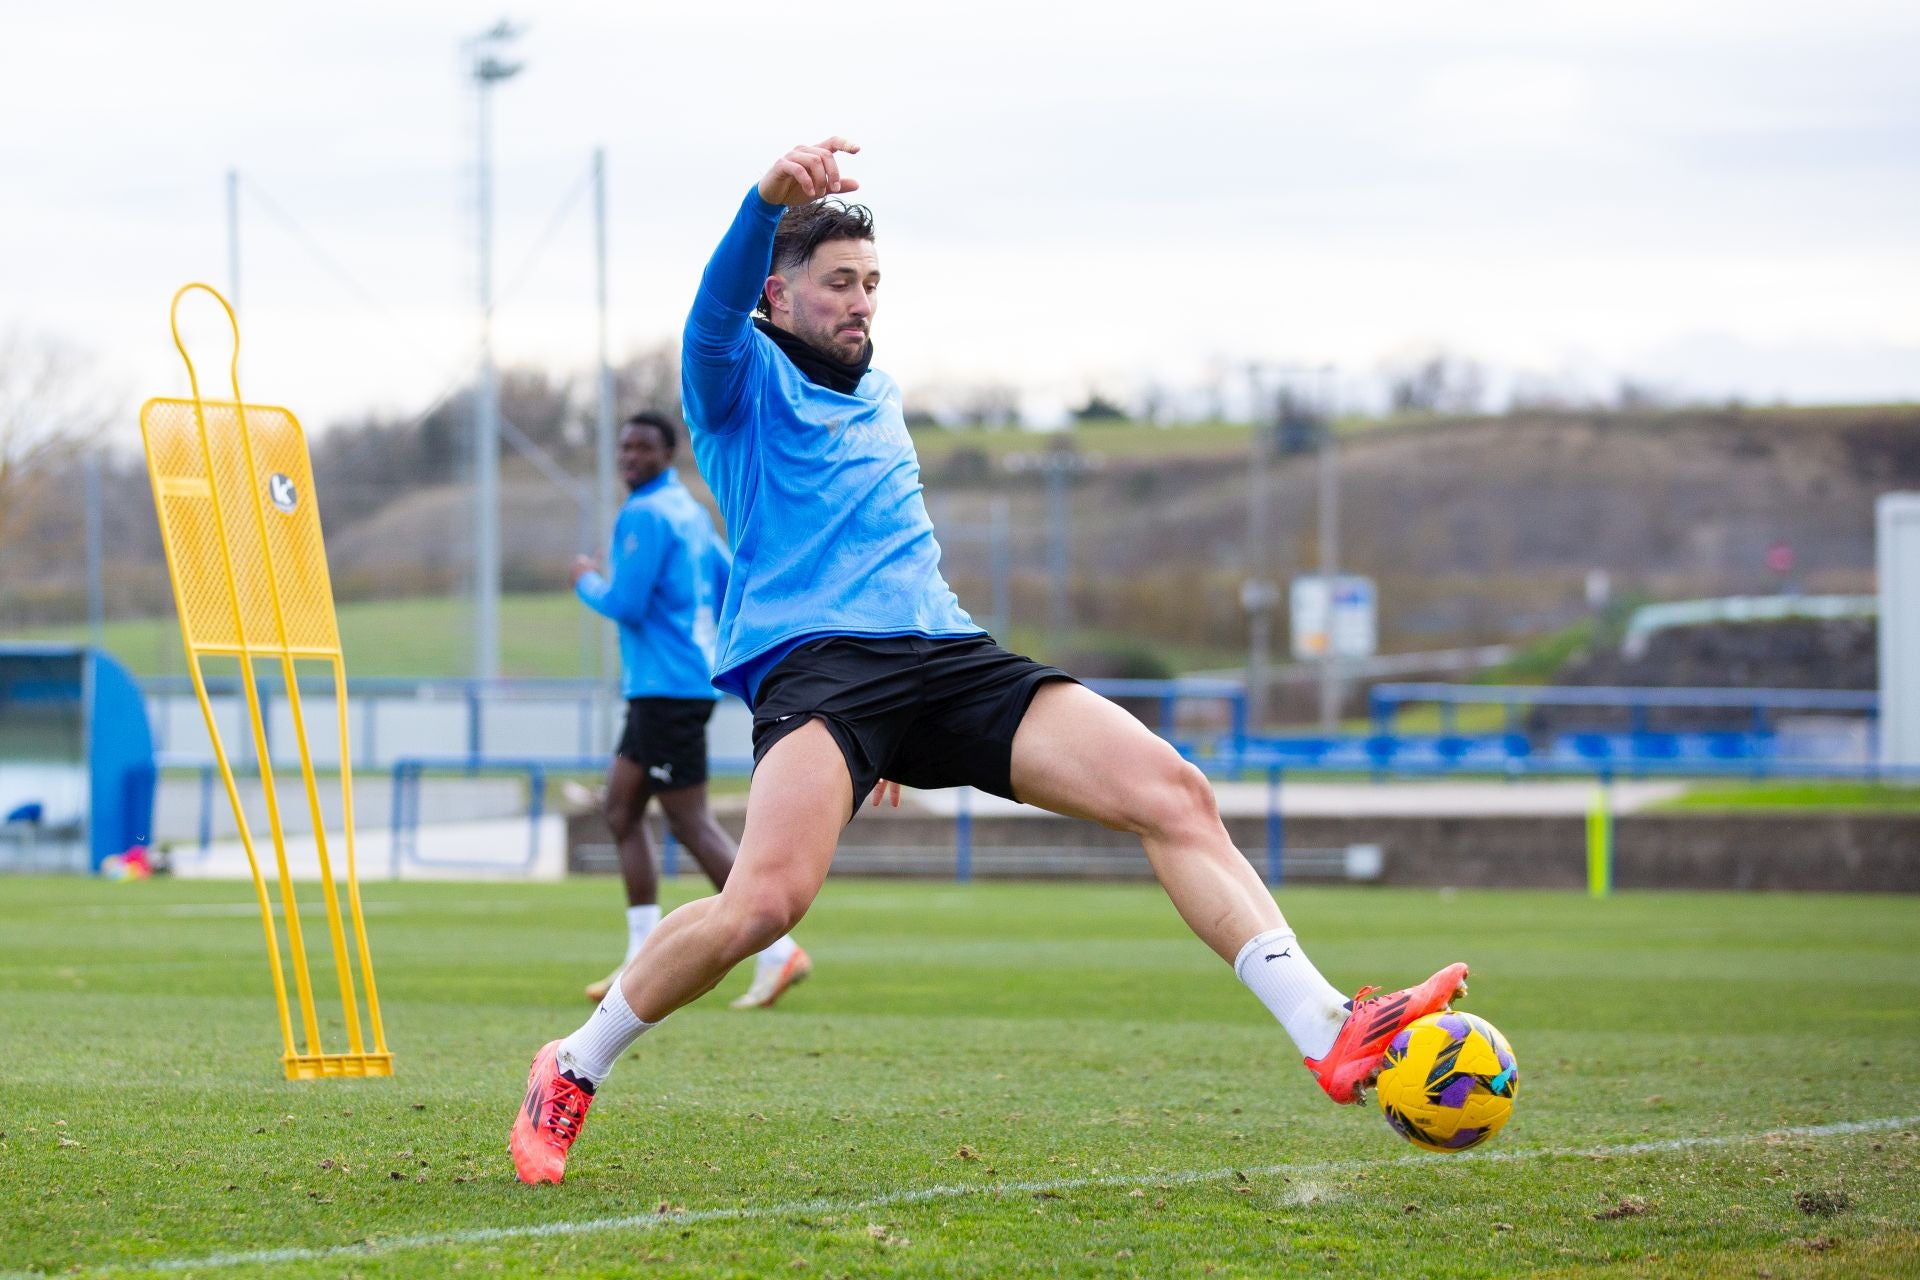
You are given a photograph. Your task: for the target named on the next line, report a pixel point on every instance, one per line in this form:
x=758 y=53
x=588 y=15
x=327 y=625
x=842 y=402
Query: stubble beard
x=828 y=343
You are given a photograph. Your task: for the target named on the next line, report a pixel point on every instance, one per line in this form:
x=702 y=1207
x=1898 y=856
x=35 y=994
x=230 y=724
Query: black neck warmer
x=819 y=367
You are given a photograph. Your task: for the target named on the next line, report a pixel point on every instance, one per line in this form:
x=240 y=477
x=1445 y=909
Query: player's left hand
x=881 y=791
x=808 y=173
x=582 y=566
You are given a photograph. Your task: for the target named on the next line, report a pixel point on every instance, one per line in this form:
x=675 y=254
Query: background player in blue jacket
x=861 y=665
x=666 y=573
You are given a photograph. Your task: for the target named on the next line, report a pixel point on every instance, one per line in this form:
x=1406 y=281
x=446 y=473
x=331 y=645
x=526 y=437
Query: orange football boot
x=549 y=1119
x=769 y=984
x=1354 y=1060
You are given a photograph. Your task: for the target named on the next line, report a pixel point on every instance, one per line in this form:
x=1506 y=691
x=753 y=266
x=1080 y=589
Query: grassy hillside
x=540 y=637
x=1476 y=530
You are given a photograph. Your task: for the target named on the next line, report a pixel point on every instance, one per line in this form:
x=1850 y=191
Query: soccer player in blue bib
x=666 y=574
x=860 y=665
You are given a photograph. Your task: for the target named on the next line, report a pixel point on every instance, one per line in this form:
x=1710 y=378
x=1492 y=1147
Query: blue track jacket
x=820 y=490
x=669 y=571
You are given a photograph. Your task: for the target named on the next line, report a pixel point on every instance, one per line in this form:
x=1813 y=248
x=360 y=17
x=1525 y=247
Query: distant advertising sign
x=1342 y=622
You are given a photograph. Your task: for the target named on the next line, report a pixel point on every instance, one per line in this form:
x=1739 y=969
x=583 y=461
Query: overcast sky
x=1721 y=197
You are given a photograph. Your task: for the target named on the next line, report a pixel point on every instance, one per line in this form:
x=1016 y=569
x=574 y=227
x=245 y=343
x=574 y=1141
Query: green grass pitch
x=992 y=1080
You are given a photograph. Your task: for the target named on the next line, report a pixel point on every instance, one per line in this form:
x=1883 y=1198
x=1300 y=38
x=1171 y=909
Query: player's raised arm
x=717 y=343
x=808 y=173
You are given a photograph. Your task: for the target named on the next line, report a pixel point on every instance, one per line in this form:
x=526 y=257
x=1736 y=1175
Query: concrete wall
x=1838 y=851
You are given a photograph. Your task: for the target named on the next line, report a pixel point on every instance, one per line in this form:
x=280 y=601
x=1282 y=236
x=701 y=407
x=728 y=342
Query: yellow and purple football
x=1448 y=1081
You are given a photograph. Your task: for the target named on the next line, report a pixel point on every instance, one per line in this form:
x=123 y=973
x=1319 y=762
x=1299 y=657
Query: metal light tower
x=1258 y=595
x=233 y=238
x=606 y=500
x=1329 y=556
x=488 y=70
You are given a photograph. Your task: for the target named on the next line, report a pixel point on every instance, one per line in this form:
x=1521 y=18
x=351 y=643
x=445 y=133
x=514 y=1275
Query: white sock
x=776 y=954
x=591 y=1051
x=640 y=922
x=1275 y=968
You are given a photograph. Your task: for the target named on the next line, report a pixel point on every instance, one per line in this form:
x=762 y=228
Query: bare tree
x=649 y=378
x=1634 y=394
x=52 y=410
x=987 y=404
x=1438 y=384
x=1156 y=402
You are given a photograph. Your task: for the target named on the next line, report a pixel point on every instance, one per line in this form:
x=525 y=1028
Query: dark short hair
x=805 y=227
x=660 y=422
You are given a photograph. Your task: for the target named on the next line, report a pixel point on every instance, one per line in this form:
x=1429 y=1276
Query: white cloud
x=1060 y=197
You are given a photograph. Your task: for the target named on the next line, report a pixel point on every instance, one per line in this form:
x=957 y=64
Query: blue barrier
x=1379 y=757
x=1386 y=701
x=1602 y=756
x=405 y=808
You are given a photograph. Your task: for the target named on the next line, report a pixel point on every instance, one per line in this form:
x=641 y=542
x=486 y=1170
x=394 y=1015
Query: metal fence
x=1206 y=719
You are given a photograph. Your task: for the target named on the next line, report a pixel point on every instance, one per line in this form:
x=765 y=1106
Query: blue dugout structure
x=76 y=759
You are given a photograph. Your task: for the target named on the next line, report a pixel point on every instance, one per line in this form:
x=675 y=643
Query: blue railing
x=405 y=802
x=579 y=701
x=1236 y=753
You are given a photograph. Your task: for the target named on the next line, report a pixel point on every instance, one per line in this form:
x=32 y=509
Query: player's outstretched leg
x=782 y=964
x=800 y=800
x=1079 y=754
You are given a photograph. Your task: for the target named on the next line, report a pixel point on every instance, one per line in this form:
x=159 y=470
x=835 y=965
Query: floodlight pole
x=233 y=238
x=1329 y=560
x=96 y=553
x=1059 y=551
x=607 y=499
x=1000 y=512
x=488 y=70
x=1258 y=594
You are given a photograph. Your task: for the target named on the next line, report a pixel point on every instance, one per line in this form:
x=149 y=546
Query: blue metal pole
x=963 y=837
x=473 y=719
x=206 y=809
x=536 y=800
x=399 y=817
x=1239 y=704
x=669 y=851
x=416 y=786
x=1276 y=832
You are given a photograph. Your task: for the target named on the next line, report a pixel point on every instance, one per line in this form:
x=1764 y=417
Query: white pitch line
x=921 y=1195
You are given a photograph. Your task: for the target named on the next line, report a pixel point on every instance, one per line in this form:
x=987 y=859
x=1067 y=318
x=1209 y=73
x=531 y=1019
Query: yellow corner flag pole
x=233 y=486
x=1600 y=842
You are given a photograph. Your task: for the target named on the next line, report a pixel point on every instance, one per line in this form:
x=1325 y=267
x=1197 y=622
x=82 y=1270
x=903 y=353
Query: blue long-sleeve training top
x=666 y=573
x=821 y=491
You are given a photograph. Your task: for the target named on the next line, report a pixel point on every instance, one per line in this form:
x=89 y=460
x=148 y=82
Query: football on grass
x=1448 y=1081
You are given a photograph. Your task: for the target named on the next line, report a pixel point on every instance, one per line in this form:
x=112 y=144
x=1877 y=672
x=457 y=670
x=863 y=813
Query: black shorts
x=922 y=712
x=667 y=737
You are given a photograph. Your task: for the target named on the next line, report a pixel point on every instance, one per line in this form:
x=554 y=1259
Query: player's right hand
x=808 y=173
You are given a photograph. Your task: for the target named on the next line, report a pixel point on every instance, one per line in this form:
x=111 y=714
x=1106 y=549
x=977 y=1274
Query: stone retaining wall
x=1823 y=851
